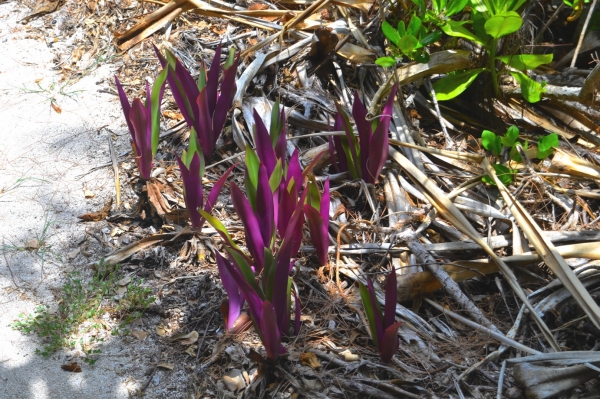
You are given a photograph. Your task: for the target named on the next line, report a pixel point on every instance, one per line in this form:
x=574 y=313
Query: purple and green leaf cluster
x=273 y=213
x=365 y=156
x=191 y=165
x=204 y=104
x=143 y=121
x=384 y=328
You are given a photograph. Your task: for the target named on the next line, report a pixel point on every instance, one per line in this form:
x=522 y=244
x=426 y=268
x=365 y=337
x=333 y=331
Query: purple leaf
x=223 y=104
x=325 y=203
x=379 y=145
x=294 y=230
x=125 y=105
x=294 y=171
x=315 y=226
x=264 y=206
x=359 y=112
x=254 y=239
x=252 y=298
x=391 y=298
x=288 y=249
x=192 y=188
x=214 y=193
x=351 y=139
x=286 y=206
x=236 y=298
x=212 y=79
x=183 y=87
x=271 y=336
x=142 y=139
x=204 y=123
x=339 y=124
x=297 y=315
x=389 y=342
x=262 y=141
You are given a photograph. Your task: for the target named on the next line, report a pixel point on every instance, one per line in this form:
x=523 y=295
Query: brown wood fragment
x=97 y=216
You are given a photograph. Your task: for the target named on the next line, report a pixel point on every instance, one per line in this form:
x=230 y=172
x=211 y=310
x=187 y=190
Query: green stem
x=493 y=68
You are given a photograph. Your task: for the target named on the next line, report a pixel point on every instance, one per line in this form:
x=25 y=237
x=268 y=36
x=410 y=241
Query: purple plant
x=269 y=299
x=143 y=121
x=191 y=165
x=383 y=327
x=317 y=214
x=364 y=157
x=204 y=104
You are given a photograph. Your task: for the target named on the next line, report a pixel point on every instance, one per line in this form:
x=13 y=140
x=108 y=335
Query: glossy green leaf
x=546 y=145
x=251 y=180
x=276 y=176
x=523 y=62
x=451 y=86
x=230 y=58
x=503 y=24
x=155 y=100
x=491 y=142
x=386 y=62
x=455 y=6
x=390 y=33
x=511 y=137
x=422 y=57
x=401 y=28
x=505 y=175
x=414 y=26
x=407 y=44
x=431 y=37
x=456 y=29
x=216 y=223
x=514 y=154
x=530 y=89
x=369 y=311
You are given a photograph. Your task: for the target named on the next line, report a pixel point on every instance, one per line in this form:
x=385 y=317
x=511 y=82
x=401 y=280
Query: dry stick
x=582 y=35
x=439 y=200
x=113 y=158
x=447 y=282
x=540 y=34
x=472 y=324
x=203 y=338
x=12 y=276
x=429 y=86
x=365 y=390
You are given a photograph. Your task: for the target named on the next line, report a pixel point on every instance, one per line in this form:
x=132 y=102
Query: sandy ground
x=45 y=158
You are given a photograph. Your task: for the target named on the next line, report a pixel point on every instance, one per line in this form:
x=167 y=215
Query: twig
x=113 y=158
x=582 y=35
x=448 y=283
x=365 y=390
x=203 y=337
x=12 y=276
x=429 y=86
x=540 y=34
x=472 y=324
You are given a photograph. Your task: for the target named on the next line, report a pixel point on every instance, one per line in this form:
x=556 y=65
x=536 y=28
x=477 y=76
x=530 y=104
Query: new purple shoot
x=363 y=157
x=203 y=104
x=317 y=214
x=383 y=327
x=191 y=165
x=143 y=121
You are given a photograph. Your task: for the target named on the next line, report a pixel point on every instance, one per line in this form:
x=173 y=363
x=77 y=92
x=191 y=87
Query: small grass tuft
x=80 y=307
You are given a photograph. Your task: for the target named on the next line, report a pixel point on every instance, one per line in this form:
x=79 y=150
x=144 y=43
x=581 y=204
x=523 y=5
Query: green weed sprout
x=510 y=140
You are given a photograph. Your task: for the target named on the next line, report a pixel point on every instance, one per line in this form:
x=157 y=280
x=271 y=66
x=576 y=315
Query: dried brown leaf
x=71 y=367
